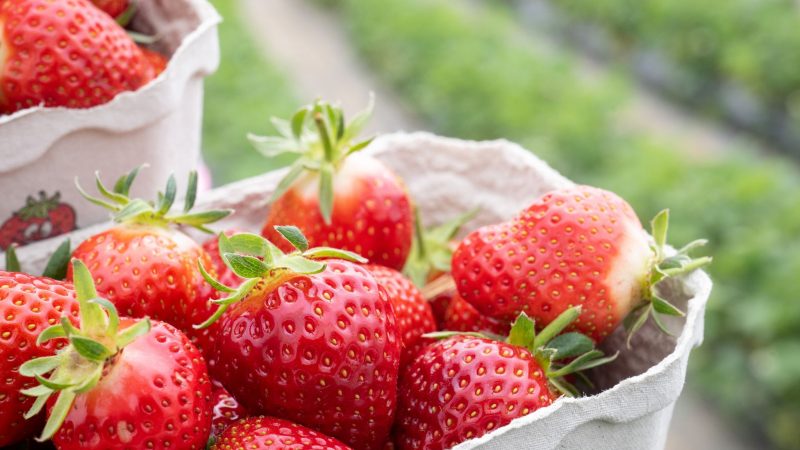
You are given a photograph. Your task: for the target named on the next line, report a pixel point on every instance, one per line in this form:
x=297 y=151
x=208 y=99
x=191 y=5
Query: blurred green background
x=686 y=104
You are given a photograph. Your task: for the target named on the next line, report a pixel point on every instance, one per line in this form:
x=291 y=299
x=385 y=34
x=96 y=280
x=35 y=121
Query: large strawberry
x=336 y=196
x=28 y=305
x=270 y=433
x=144 y=265
x=37 y=220
x=465 y=386
x=65 y=53
x=412 y=311
x=428 y=264
x=311 y=341
x=119 y=384
x=575 y=246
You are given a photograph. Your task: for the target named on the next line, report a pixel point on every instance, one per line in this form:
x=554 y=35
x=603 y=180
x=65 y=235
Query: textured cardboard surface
x=448 y=176
x=159 y=125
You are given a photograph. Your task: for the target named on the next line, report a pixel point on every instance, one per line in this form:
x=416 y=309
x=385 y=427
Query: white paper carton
x=44 y=149
x=447 y=176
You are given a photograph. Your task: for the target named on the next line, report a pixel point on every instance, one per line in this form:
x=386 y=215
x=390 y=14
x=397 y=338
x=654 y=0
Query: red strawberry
x=465 y=386
x=461 y=316
x=413 y=313
x=576 y=246
x=37 y=220
x=28 y=305
x=314 y=342
x=146 y=267
x=227 y=409
x=269 y=433
x=65 y=53
x=157 y=60
x=344 y=200
x=153 y=394
x=224 y=273
x=113 y=8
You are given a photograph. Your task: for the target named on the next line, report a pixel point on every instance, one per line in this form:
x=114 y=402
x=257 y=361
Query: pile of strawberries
x=69 y=53
x=308 y=335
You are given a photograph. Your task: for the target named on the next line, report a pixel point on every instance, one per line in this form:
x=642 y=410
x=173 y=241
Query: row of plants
x=470 y=72
x=732 y=52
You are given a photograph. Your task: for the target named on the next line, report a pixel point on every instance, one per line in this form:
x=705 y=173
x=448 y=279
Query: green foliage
x=753 y=43
x=470 y=73
x=240 y=98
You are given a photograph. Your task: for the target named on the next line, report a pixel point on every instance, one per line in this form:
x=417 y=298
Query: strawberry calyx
x=138 y=211
x=663 y=266
x=40 y=207
x=78 y=366
x=317 y=139
x=431 y=249
x=558 y=354
x=260 y=262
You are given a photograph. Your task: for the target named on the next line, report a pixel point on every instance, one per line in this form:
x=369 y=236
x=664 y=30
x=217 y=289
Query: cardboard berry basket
x=44 y=149
x=635 y=394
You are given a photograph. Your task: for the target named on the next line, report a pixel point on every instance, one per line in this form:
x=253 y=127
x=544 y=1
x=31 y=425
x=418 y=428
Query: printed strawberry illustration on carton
x=39 y=219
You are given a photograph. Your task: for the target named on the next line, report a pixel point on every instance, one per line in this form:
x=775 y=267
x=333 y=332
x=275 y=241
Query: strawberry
x=310 y=341
x=120 y=383
x=65 y=53
x=224 y=273
x=461 y=316
x=157 y=61
x=269 y=433
x=428 y=264
x=143 y=265
x=337 y=197
x=113 y=8
x=413 y=313
x=37 y=220
x=575 y=246
x=227 y=409
x=465 y=386
x=28 y=305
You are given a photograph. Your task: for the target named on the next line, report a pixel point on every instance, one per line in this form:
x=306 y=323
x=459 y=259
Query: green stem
x=324 y=137
x=555 y=327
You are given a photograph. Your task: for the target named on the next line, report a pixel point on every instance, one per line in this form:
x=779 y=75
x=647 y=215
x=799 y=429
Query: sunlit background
x=688 y=104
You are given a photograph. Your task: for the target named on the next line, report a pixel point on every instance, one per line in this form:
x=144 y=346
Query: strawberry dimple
x=321 y=350
x=560 y=252
x=463 y=387
x=28 y=305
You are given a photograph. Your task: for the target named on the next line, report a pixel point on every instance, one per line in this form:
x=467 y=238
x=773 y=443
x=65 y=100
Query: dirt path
x=311 y=47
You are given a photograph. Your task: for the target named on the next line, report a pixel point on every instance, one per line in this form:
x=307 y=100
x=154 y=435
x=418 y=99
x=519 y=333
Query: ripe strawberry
x=37 y=220
x=157 y=60
x=143 y=265
x=28 y=305
x=113 y=8
x=337 y=198
x=269 y=433
x=224 y=273
x=576 y=246
x=58 y=53
x=227 y=409
x=314 y=342
x=461 y=316
x=413 y=313
x=465 y=386
x=153 y=394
